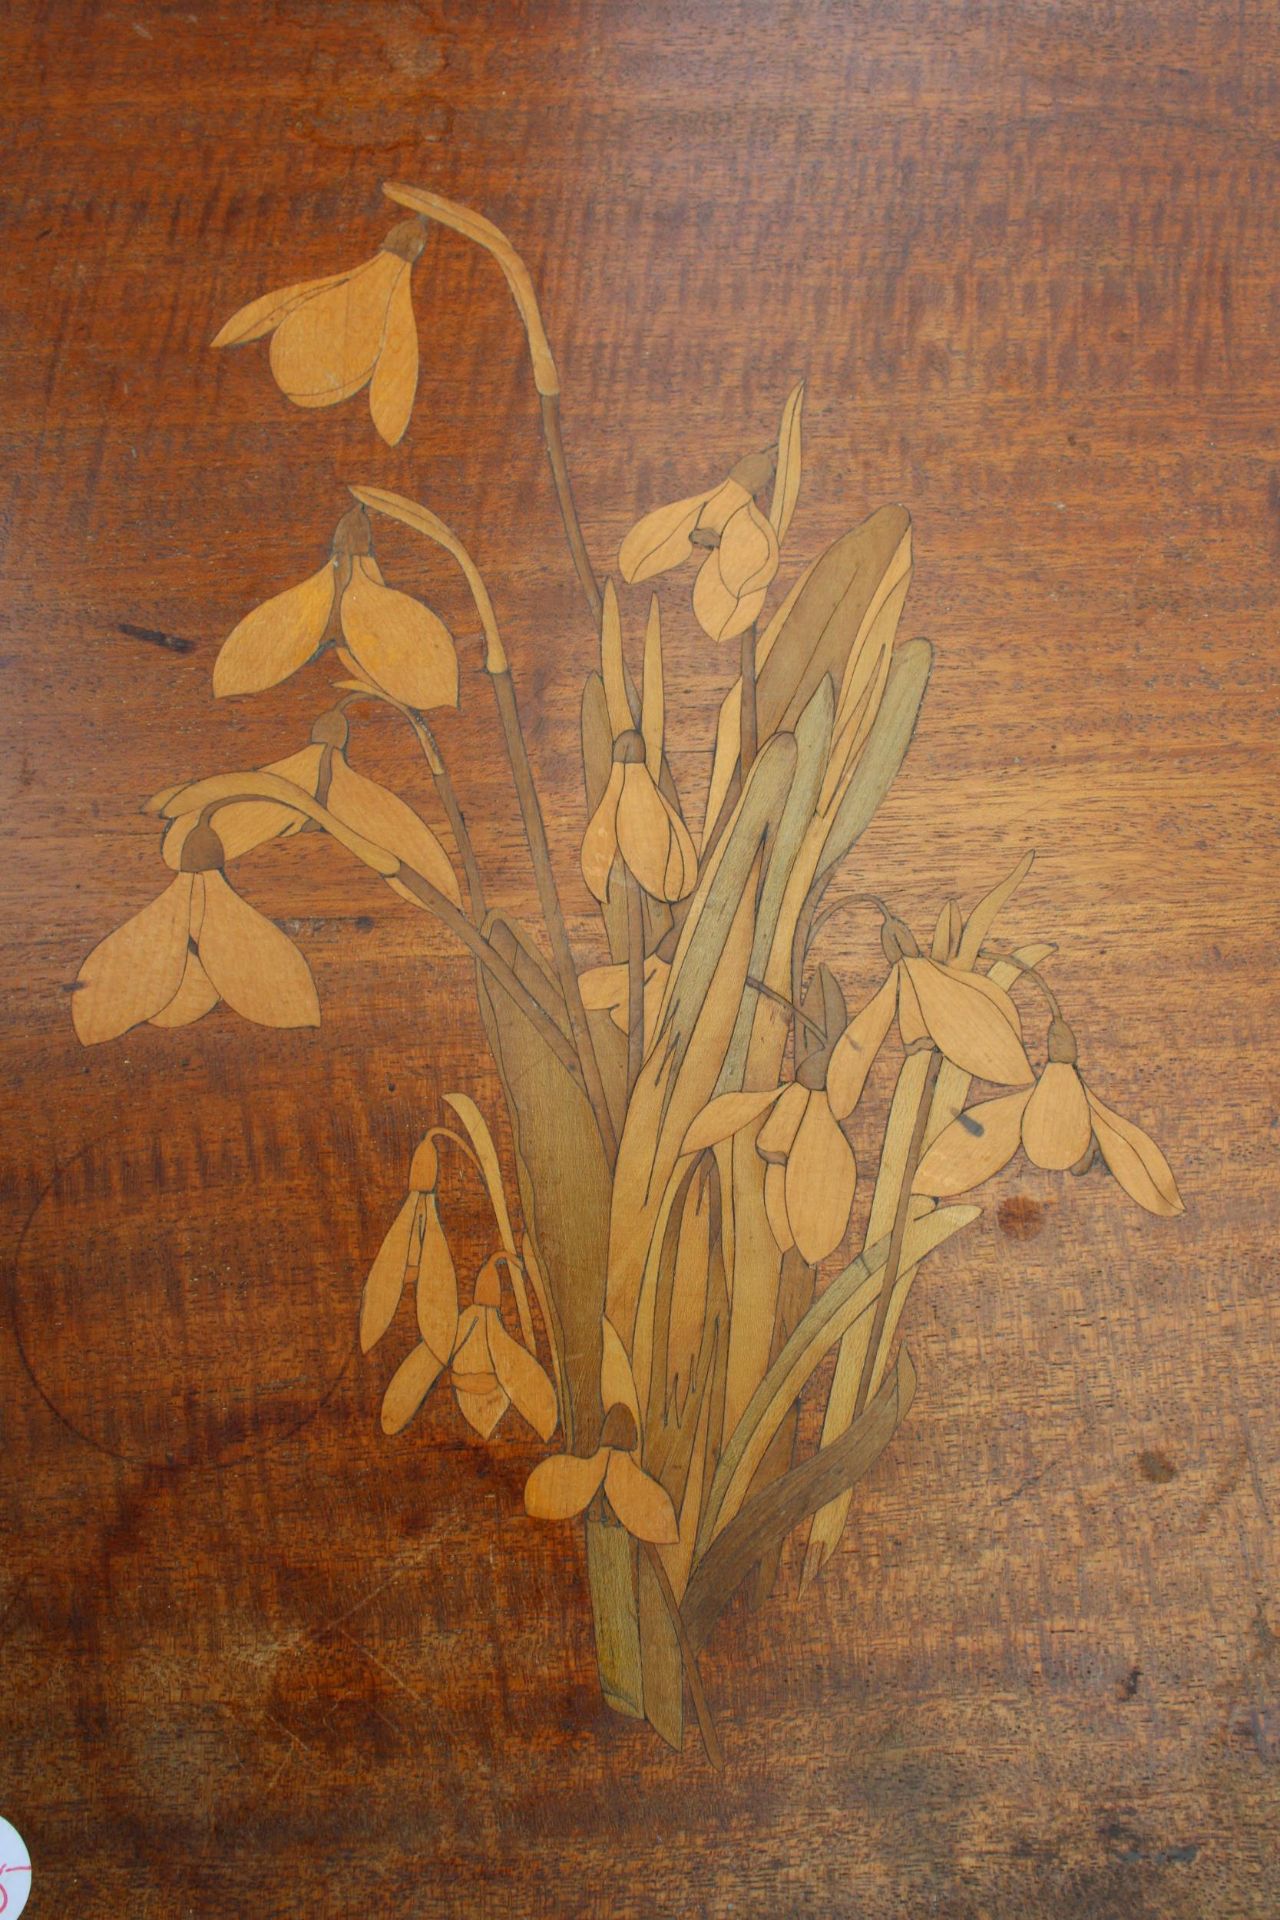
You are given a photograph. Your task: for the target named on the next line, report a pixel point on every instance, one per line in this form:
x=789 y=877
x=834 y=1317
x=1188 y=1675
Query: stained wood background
x=255 y=1657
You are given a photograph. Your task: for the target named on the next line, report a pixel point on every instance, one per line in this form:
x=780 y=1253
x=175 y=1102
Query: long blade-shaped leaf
x=563 y=1177
x=835 y=1310
x=769 y=1515
x=884 y=752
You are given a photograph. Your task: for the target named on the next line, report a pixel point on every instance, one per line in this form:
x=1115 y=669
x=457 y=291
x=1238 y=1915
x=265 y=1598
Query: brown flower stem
x=706 y=1724
x=749 y=740
x=893 y=1262
x=1025 y=972
x=549 y=899
x=788 y=1006
x=568 y=511
x=453 y=814
x=635 y=978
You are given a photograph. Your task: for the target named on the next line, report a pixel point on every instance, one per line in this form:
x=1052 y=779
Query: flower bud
x=331 y=730
x=897 y=939
x=1062 y=1044
x=488 y=1291
x=619 y=1430
x=202 y=851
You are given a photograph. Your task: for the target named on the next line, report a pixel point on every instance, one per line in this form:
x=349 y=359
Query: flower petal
x=604 y=989
x=395 y=378
x=786 y=480
x=481 y=1406
x=389 y=822
x=398 y=642
x=821 y=1177
x=643 y=1507
x=726 y=1115
x=965 y=1026
x=408 y=1387
x=437 y=1288
x=975 y=1145
x=855 y=1051
x=1000 y=997
x=276 y=638
x=135 y=972
x=729 y=591
x=617 y=1381
x=1136 y=1161
x=531 y=1392
x=775 y=1205
x=385 y=1282
x=195 y=997
x=912 y=1030
x=261 y=315
x=1056 y=1126
x=721 y=504
x=325 y=349
x=661 y=540
x=256 y=968
x=564 y=1485
x=776 y=1137
x=600 y=841
x=652 y=839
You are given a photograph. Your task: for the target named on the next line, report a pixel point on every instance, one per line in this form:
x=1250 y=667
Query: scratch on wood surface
x=155 y=637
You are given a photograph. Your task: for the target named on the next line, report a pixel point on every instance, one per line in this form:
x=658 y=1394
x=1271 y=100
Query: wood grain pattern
x=1027 y=265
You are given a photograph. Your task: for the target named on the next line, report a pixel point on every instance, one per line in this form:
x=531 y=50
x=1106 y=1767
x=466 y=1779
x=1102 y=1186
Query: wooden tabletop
x=256 y=1657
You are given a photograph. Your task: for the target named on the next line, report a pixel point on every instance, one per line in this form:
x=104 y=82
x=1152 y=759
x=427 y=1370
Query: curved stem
x=554 y=438
x=788 y=1006
x=1026 y=973
x=453 y=814
x=423 y=521
x=474 y=226
x=447 y=1133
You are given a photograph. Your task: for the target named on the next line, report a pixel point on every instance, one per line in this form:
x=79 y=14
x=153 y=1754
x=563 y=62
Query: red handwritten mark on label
x=15 y=1871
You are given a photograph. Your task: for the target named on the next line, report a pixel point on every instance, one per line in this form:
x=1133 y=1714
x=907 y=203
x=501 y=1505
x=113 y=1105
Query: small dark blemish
x=971 y=1125
x=364 y=923
x=1020 y=1217
x=1129 y=1685
x=1156 y=1467
x=171 y=642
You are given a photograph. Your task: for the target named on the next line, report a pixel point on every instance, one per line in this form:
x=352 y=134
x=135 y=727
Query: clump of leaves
x=685 y=1106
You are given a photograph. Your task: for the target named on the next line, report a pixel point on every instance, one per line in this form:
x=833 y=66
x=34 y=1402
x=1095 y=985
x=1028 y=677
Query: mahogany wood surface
x=254 y=1657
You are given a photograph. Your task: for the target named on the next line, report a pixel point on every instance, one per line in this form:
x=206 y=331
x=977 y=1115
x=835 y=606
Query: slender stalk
x=788 y=1006
x=635 y=978
x=568 y=511
x=899 y=1233
x=453 y=814
x=706 y=1724
x=747 y=750
x=549 y=898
